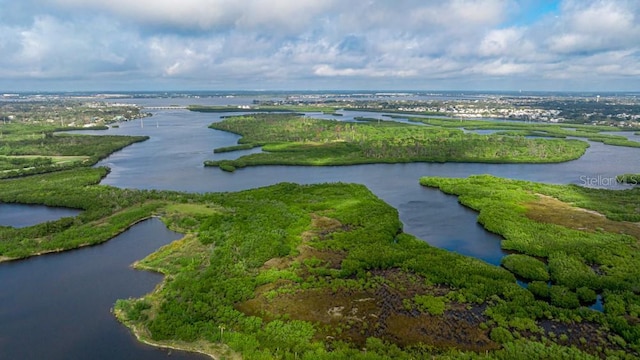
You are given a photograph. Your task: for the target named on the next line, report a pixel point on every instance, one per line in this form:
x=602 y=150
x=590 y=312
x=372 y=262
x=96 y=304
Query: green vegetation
x=32 y=149
x=434 y=305
x=31 y=145
x=31 y=141
x=615 y=111
x=327 y=271
x=589 y=132
x=526 y=267
x=584 y=241
x=289 y=139
x=23 y=162
x=324 y=271
x=107 y=211
x=235 y=147
x=632 y=179
x=297 y=263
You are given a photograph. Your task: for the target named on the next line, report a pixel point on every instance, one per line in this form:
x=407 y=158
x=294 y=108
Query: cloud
x=329 y=70
x=501 y=68
x=255 y=43
x=592 y=26
x=502 y=42
x=466 y=14
x=51 y=48
x=284 y=15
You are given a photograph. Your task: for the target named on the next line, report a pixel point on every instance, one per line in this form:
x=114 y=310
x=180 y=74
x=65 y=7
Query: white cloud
x=329 y=70
x=52 y=48
x=501 y=68
x=502 y=42
x=591 y=26
x=372 y=42
x=589 y=17
x=465 y=14
x=288 y=15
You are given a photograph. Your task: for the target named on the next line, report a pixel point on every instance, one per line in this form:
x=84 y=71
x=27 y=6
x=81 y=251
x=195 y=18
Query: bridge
x=164 y=107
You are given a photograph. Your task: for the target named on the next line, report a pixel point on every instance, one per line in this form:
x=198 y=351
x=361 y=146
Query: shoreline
x=6 y=259
x=201 y=347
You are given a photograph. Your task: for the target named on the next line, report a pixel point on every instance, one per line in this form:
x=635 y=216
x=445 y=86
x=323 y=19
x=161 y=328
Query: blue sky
x=71 y=45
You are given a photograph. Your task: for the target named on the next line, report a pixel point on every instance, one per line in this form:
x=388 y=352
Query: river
x=172 y=160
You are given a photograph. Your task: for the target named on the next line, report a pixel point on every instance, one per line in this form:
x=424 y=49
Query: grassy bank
x=289 y=139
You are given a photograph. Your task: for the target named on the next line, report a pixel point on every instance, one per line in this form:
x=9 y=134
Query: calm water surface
x=172 y=159
x=22 y=215
x=58 y=306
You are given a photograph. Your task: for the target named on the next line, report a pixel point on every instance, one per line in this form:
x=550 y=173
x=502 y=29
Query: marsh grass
x=553 y=211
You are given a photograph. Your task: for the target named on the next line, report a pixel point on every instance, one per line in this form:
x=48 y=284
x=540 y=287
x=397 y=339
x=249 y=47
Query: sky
x=111 y=45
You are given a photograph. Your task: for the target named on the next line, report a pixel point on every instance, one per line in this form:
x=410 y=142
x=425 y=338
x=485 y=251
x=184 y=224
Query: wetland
x=305 y=242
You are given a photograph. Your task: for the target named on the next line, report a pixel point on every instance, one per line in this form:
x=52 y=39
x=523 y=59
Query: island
x=293 y=139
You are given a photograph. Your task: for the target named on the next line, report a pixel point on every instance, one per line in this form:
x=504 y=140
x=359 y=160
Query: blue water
x=22 y=215
x=58 y=306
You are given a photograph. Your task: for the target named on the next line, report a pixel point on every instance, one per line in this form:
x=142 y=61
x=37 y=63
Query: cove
x=23 y=215
x=58 y=306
